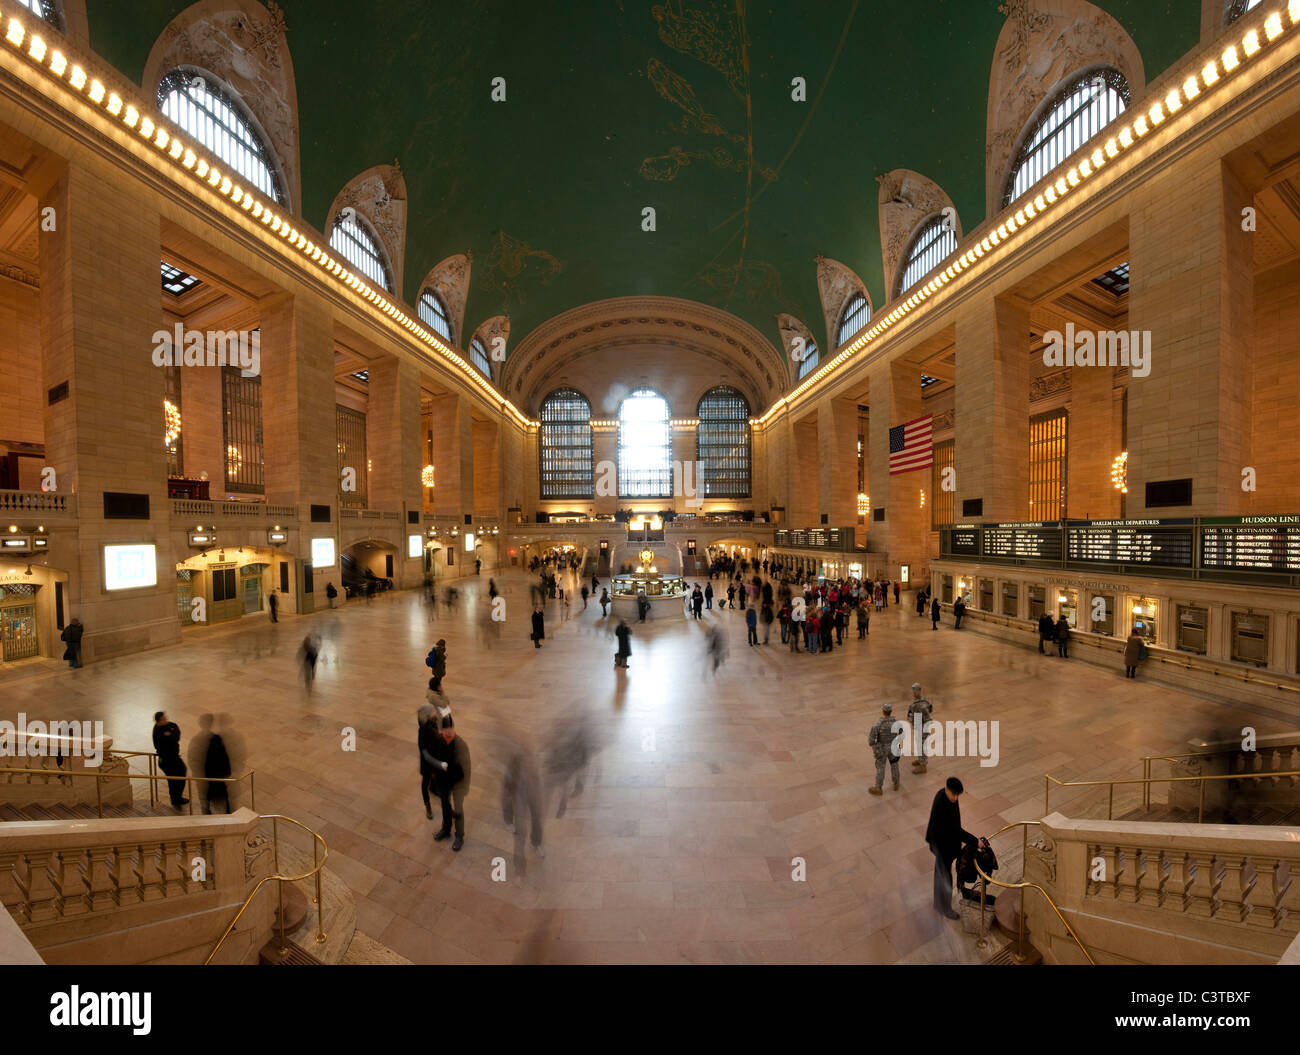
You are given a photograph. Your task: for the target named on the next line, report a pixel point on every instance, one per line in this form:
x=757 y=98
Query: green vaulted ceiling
x=616 y=105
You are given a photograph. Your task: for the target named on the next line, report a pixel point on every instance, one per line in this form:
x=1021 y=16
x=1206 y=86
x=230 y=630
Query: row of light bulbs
x=186 y=157
x=1212 y=73
x=56 y=63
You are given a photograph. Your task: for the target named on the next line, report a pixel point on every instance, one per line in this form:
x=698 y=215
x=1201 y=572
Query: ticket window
x=1037 y=601
x=986 y=595
x=1067 y=604
x=1250 y=638
x=1143 y=622
x=1102 y=614
x=945 y=589
x=1192 y=623
x=1011 y=599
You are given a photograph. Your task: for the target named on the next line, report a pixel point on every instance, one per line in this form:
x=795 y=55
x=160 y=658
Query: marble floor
x=704 y=790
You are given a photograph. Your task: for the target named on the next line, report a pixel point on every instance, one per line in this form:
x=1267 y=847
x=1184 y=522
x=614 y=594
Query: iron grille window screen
x=645 y=446
x=350 y=429
x=352 y=240
x=1081 y=110
x=932 y=245
x=856 y=314
x=172 y=420
x=1047 y=446
x=478 y=355
x=241 y=401
x=434 y=314
x=722 y=444
x=943 y=504
x=809 y=362
x=218 y=121
x=565 y=446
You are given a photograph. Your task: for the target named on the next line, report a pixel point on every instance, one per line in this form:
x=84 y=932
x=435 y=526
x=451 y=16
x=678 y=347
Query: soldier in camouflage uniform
x=881 y=739
x=922 y=707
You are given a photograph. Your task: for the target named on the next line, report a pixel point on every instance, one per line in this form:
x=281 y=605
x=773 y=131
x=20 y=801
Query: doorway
x=18 y=632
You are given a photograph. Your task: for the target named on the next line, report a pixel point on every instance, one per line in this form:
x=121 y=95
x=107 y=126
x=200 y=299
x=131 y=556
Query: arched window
x=478 y=355
x=808 y=363
x=931 y=246
x=220 y=122
x=1086 y=105
x=1237 y=8
x=46 y=9
x=645 y=446
x=722 y=444
x=564 y=440
x=434 y=314
x=355 y=241
x=856 y=314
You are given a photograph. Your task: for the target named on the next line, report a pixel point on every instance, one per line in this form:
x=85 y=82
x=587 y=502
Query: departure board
x=1021 y=542
x=965 y=541
x=1267 y=544
x=1165 y=544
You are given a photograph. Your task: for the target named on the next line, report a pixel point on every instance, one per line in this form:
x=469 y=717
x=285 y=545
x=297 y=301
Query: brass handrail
x=1049 y=780
x=318 y=863
x=249 y=774
x=1020 y=944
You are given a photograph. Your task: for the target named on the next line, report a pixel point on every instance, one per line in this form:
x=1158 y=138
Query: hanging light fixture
x=1119 y=472
x=172 y=420
x=426 y=476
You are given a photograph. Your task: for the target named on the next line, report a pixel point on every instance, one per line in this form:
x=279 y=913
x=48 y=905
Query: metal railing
x=1146 y=782
x=318 y=863
x=1022 y=886
x=154 y=798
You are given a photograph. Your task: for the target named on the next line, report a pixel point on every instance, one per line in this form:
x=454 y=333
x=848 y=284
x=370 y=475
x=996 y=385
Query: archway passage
x=33 y=610
x=367 y=567
x=222 y=585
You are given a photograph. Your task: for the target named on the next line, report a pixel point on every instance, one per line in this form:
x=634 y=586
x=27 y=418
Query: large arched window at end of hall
x=809 y=361
x=47 y=10
x=564 y=441
x=355 y=240
x=434 y=314
x=933 y=243
x=219 y=121
x=856 y=314
x=1236 y=8
x=478 y=355
x=1087 y=104
x=722 y=444
x=645 y=446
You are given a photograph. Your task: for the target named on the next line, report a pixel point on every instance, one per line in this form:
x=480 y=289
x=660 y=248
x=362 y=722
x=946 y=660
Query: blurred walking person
x=624 y=635
x=198 y=757
x=521 y=803
x=307 y=656
x=455 y=783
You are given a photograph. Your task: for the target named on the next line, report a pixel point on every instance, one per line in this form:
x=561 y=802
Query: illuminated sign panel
x=130 y=567
x=322 y=553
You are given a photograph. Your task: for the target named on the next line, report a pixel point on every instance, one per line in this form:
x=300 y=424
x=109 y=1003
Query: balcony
x=189 y=508
x=46 y=503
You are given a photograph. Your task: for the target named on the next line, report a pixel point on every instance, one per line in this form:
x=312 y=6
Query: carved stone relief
x=1041 y=45
x=256 y=846
x=450 y=280
x=836 y=284
x=1050 y=385
x=379 y=194
x=907 y=199
x=242 y=43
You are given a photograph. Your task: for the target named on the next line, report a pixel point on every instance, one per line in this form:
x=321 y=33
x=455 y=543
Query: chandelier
x=426 y=476
x=1119 y=472
x=172 y=420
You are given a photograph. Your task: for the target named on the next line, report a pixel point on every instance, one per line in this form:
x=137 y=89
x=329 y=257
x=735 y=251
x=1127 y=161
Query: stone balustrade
x=189 y=508
x=60 y=769
x=137 y=890
x=46 y=503
x=1140 y=892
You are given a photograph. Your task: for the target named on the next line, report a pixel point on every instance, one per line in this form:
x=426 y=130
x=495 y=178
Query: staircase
x=65 y=811
x=1241 y=813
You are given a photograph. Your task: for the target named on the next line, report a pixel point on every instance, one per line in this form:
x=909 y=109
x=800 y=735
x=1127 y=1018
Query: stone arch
x=836 y=283
x=1042 y=45
x=241 y=44
x=790 y=329
x=489 y=330
x=449 y=278
x=378 y=194
x=908 y=201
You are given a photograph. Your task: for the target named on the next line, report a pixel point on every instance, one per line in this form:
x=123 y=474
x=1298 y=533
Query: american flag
x=911 y=446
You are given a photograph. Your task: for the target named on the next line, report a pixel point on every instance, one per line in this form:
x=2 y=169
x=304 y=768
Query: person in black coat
x=624 y=634
x=430 y=745
x=71 y=636
x=1046 y=631
x=958 y=610
x=1063 y=637
x=167 y=745
x=539 y=627
x=946 y=837
x=934 y=614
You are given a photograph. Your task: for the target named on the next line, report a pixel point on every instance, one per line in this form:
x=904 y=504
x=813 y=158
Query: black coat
x=539 y=625
x=944 y=832
x=167 y=741
x=934 y=609
x=429 y=741
x=624 y=641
